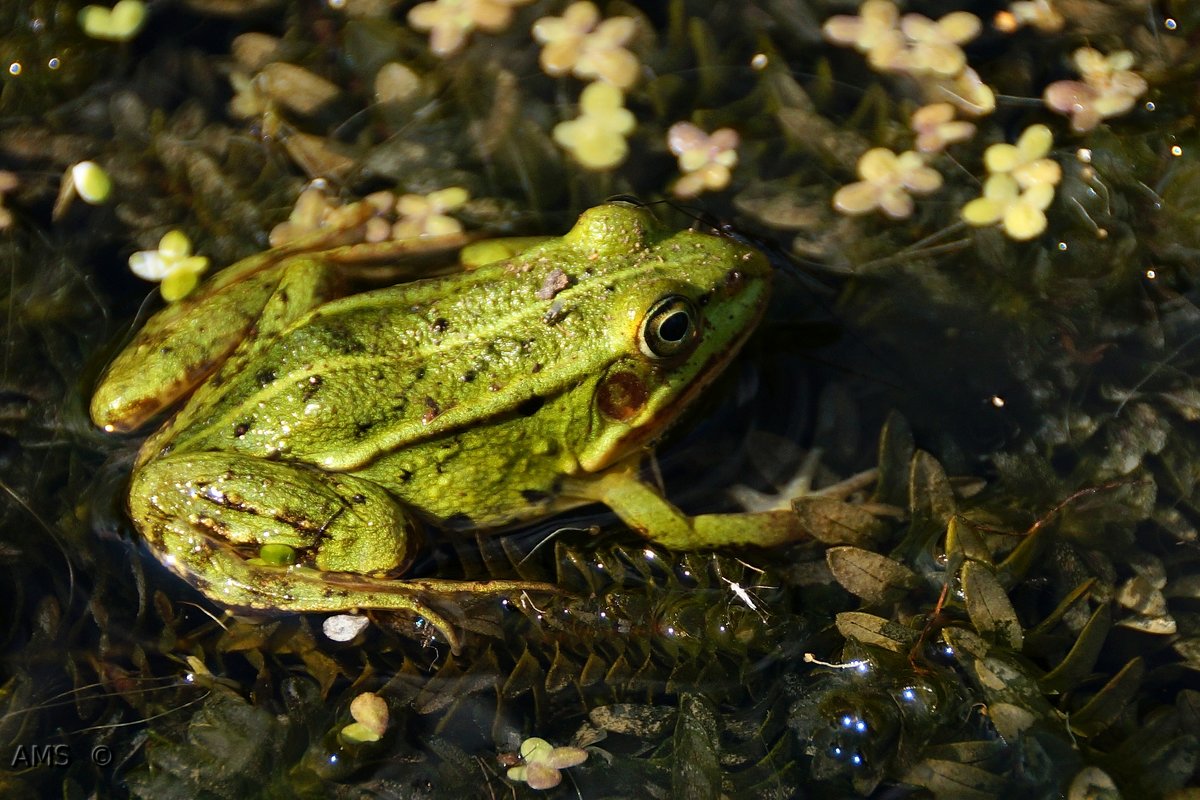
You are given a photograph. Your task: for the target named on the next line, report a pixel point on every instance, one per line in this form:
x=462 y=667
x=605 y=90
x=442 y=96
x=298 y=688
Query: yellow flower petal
x=178 y=285
x=1089 y=61
x=856 y=198
x=693 y=160
x=1002 y=188
x=558 y=57
x=581 y=16
x=91 y=182
x=877 y=164
x=1035 y=142
x=1043 y=171
x=371 y=711
x=923 y=180
x=599 y=98
x=616 y=66
x=441 y=225
x=982 y=211
x=1001 y=158
x=1120 y=60
x=896 y=203
x=932 y=115
x=842 y=29
x=959 y=27
x=881 y=13
x=1039 y=196
x=449 y=198
x=1113 y=104
x=1023 y=221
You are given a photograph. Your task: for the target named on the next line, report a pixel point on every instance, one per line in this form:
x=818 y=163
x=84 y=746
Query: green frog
x=316 y=432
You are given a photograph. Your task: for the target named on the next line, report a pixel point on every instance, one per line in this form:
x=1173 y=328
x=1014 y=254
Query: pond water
x=968 y=399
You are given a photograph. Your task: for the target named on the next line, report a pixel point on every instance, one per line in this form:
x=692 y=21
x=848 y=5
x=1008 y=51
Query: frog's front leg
x=642 y=508
x=288 y=537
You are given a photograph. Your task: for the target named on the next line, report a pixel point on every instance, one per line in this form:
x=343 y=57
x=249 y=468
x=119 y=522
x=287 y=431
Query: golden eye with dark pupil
x=670 y=328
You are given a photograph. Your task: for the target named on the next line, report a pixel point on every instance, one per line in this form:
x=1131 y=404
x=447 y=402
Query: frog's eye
x=671 y=328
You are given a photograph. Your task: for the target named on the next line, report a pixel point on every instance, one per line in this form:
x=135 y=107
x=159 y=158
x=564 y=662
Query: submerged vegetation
x=978 y=380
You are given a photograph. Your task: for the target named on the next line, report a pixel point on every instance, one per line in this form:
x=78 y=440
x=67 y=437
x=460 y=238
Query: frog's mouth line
x=639 y=435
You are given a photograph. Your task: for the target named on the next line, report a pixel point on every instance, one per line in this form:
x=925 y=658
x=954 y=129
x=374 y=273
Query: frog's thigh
x=337 y=522
x=195 y=507
x=642 y=508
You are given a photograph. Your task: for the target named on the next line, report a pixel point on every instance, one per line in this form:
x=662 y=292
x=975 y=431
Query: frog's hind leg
x=185 y=342
x=273 y=535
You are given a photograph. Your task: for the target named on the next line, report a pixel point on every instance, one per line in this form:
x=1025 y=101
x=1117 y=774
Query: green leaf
x=1104 y=709
x=988 y=606
x=1074 y=596
x=963 y=539
x=876 y=631
x=895 y=455
x=1082 y=657
x=833 y=521
x=697 y=770
x=875 y=578
x=930 y=496
x=950 y=779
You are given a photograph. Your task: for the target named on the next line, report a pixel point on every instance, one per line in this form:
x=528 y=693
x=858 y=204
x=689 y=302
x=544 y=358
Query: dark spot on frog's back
x=344 y=341
x=531 y=406
x=265 y=377
x=361 y=429
x=240 y=429
x=733 y=281
x=311 y=386
x=621 y=396
x=432 y=410
x=441 y=325
x=535 y=497
x=296 y=519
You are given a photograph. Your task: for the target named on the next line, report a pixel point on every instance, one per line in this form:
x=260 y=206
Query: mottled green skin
x=472 y=400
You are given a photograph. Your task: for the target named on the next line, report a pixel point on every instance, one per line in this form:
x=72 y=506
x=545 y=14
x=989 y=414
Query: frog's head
x=681 y=305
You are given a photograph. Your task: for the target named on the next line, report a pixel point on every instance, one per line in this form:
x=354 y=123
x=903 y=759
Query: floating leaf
x=1189 y=649
x=1092 y=783
x=643 y=721
x=1082 y=657
x=1074 y=596
x=949 y=779
x=876 y=631
x=966 y=641
x=895 y=457
x=991 y=611
x=1141 y=595
x=963 y=539
x=1011 y=720
x=833 y=521
x=930 y=496
x=697 y=750
x=874 y=578
x=1104 y=709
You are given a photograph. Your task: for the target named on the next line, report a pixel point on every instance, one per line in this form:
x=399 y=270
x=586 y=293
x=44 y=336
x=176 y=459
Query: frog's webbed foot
x=800 y=487
x=278 y=536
